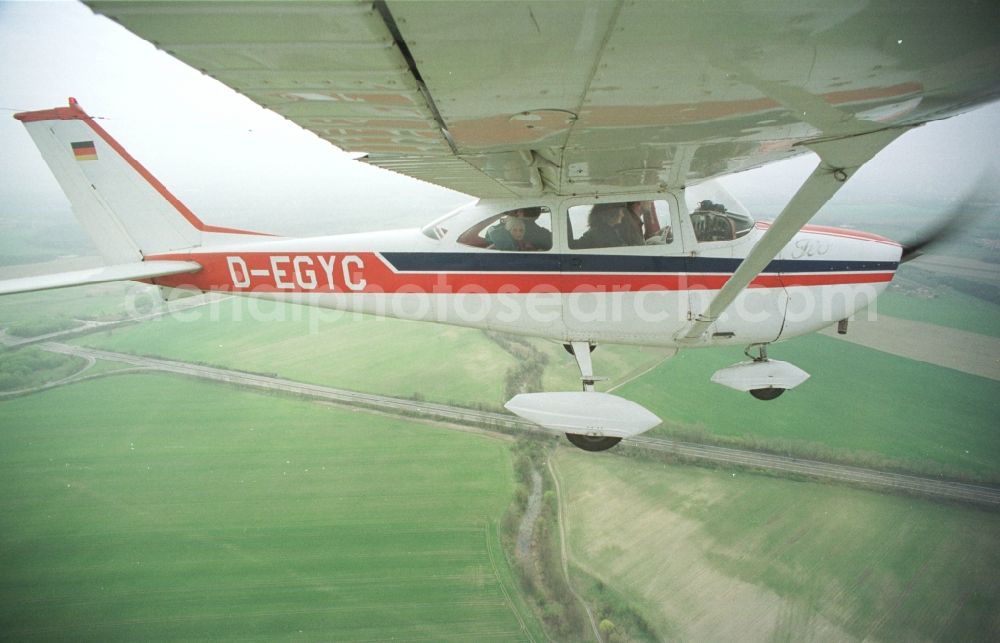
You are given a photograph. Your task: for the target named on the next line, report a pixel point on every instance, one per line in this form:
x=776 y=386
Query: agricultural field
x=100 y=302
x=942 y=306
x=707 y=554
x=323 y=347
x=860 y=405
x=404 y=510
x=150 y=506
x=358 y=352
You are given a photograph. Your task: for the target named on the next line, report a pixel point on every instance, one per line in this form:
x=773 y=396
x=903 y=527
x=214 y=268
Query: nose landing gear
x=765 y=379
x=770 y=392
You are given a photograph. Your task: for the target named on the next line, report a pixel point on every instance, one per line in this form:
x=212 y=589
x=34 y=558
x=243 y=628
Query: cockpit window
x=713 y=222
x=523 y=229
x=438 y=228
x=715 y=214
x=620 y=224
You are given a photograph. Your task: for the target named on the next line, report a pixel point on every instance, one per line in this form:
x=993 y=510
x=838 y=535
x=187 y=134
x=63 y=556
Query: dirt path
x=565 y=555
x=957 y=349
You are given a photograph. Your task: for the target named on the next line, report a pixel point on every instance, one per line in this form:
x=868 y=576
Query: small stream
x=527 y=527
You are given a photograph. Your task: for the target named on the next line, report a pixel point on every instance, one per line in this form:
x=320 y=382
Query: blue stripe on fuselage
x=542 y=262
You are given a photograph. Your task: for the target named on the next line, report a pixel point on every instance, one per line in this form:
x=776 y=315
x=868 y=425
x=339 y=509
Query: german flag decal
x=84 y=151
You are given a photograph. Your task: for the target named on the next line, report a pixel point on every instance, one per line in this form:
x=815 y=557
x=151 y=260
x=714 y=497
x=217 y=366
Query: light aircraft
x=590 y=132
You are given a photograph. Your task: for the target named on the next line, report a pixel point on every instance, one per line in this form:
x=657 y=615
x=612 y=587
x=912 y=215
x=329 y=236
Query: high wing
x=506 y=99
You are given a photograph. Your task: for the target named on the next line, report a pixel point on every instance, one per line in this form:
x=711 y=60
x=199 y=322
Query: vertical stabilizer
x=124 y=209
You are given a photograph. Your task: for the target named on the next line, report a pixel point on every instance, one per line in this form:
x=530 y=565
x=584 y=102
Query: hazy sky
x=233 y=162
x=228 y=159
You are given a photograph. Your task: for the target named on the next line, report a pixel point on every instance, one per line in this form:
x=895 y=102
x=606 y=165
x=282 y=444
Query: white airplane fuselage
x=633 y=295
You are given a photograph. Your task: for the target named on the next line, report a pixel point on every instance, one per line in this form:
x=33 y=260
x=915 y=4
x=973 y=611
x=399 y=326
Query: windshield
x=715 y=213
x=438 y=228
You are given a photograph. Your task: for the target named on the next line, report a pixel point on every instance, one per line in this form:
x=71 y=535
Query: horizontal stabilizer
x=119 y=272
x=584 y=413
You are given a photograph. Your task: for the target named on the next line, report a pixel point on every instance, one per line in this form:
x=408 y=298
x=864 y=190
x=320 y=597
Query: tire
x=592 y=443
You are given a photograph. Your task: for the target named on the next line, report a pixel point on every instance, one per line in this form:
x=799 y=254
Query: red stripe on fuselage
x=831 y=231
x=368 y=272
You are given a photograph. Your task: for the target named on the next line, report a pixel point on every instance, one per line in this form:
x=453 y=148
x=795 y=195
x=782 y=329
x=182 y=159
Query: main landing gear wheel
x=768 y=393
x=591 y=442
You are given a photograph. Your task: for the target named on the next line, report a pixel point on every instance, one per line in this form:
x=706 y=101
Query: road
x=978 y=494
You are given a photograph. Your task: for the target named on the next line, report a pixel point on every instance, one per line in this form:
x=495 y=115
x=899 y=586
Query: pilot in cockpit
x=639 y=223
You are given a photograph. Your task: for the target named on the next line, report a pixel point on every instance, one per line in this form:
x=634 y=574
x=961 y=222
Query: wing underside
x=516 y=98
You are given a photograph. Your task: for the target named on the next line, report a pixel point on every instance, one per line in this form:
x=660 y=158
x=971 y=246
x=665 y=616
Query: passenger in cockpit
x=510 y=236
x=534 y=236
x=603 y=222
x=515 y=227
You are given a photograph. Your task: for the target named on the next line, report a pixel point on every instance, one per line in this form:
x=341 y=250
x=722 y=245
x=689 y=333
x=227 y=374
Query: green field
x=717 y=555
x=358 y=352
x=863 y=405
x=324 y=347
x=149 y=506
x=37 y=312
x=947 y=307
x=194 y=510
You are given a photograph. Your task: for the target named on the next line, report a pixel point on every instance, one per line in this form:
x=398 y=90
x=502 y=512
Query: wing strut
x=840 y=158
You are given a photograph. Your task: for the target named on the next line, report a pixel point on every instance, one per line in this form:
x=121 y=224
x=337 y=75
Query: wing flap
x=103 y=274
